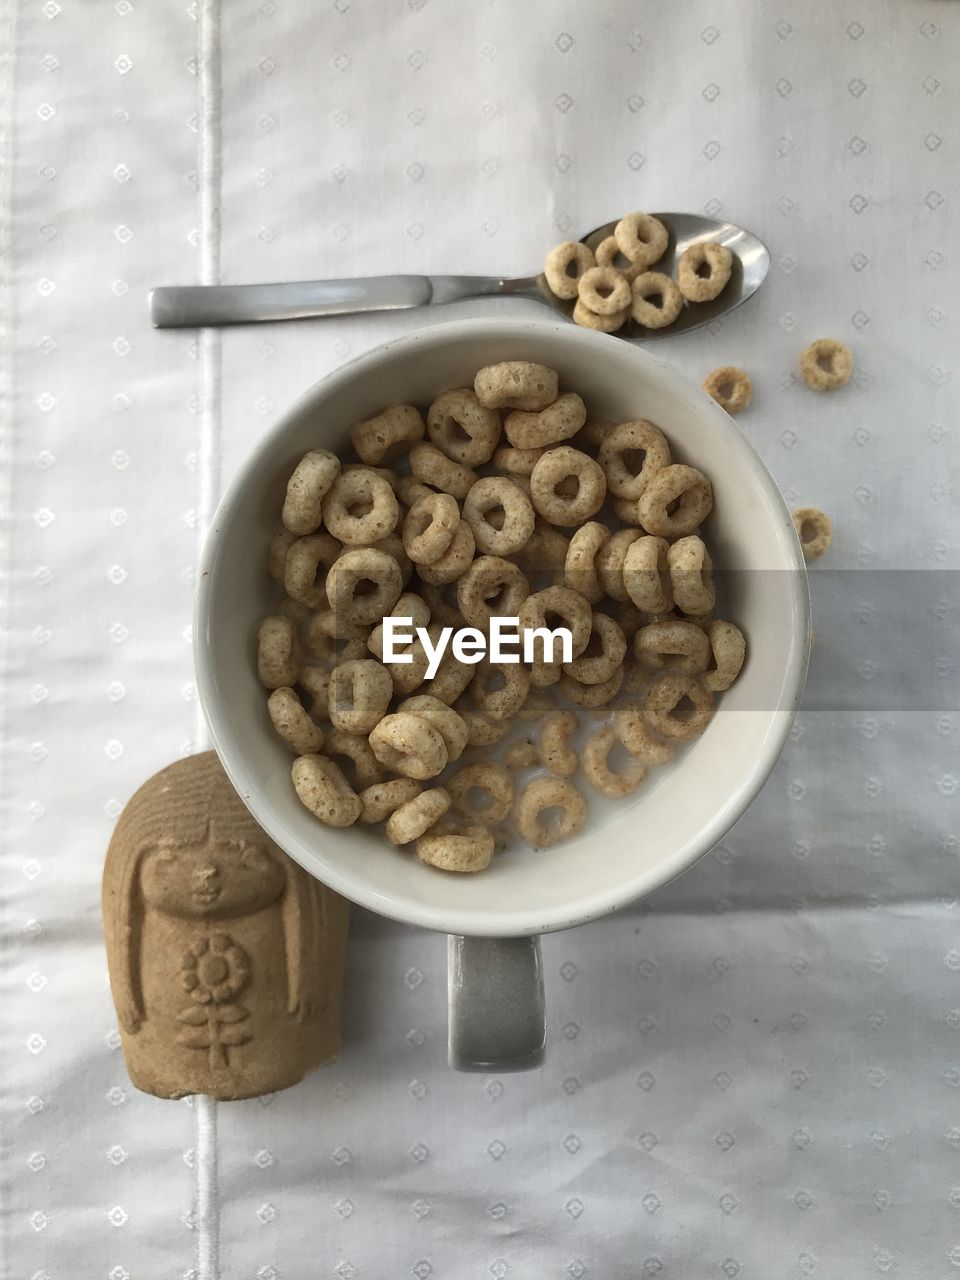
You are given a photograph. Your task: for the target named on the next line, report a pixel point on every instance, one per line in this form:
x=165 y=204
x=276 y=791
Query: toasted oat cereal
x=463 y=851
x=814 y=529
x=604 y=291
x=429 y=527
x=674 y=645
x=522 y=755
x=410 y=745
x=353 y=574
x=603 y=654
x=826 y=364
x=308 y=561
x=306 y=488
x=516 y=384
x=646 y=575
x=691 y=576
x=591 y=695
x=567 y=487
x=495 y=496
x=630 y=455
x=482 y=730
x=360 y=692
x=611 y=562
x=280 y=544
x=598 y=772
x=565 y=266
x=431 y=466
x=499 y=688
x=322 y=788
x=676 y=482
x=656 y=301
x=412 y=818
x=360 y=507
x=549 y=793
x=704 y=271
x=383 y=798
x=463 y=428
x=491 y=781
x=556 y=730
x=665 y=703
x=491 y=587
x=580 y=572
x=609 y=254
x=730 y=387
x=454 y=562
x=641 y=238
x=728 y=648
x=587 y=319
x=634 y=732
x=278 y=653
x=293 y=723
x=447 y=722
x=558 y=422
x=356 y=749
x=388 y=435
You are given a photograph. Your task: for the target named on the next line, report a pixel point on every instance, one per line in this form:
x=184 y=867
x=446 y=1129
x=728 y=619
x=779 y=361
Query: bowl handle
x=495 y=1004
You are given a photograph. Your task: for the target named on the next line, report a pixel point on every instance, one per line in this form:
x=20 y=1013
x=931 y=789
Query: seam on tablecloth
x=8 y=33
x=208 y=470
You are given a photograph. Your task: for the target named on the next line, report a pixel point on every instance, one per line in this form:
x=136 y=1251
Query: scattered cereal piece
x=730 y=387
x=826 y=364
x=814 y=529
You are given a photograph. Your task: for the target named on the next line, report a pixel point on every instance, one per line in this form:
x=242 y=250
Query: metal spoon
x=193 y=306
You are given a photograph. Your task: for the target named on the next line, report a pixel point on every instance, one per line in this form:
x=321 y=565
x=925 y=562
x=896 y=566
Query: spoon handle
x=193 y=306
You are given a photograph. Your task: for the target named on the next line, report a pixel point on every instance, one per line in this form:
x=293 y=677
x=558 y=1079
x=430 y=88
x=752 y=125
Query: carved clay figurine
x=226 y=957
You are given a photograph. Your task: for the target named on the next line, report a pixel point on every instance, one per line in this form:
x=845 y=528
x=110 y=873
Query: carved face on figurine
x=215 y=879
x=226 y=957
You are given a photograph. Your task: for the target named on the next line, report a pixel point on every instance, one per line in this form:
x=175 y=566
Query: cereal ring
x=549 y=793
x=495 y=785
x=560 y=421
x=556 y=752
x=491 y=587
x=431 y=466
x=493 y=497
x=328 y=625
x=447 y=722
x=641 y=238
x=565 y=266
x=303 y=503
x=360 y=693
x=635 y=734
x=316 y=681
x=463 y=428
x=691 y=575
x=383 y=798
x=280 y=544
x=322 y=788
x=500 y=688
x=611 y=562
x=604 y=291
x=410 y=745
x=516 y=384
x=452 y=678
x=826 y=364
x=278 y=653
x=351 y=578
x=671 y=691
x=609 y=254
x=389 y=434
x=355 y=748
x=541 y=612
x=580 y=567
x=464 y=851
x=292 y=722
x=547 y=548
x=522 y=755
x=408 y=672
x=385 y=473
x=603 y=654
x=392 y=545
x=587 y=319
x=567 y=487
x=454 y=562
x=360 y=507
x=684 y=486
x=814 y=529
x=625 y=509
x=704 y=271
x=730 y=387
x=646 y=575
x=516 y=462
x=482 y=731
x=429 y=527
x=591 y=695
x=656 y=300
x=631 y=454
x=729 y=649
x=410 y=820
x=302 y=579
x=410 y=490
x=615 y=783
x=674 y=646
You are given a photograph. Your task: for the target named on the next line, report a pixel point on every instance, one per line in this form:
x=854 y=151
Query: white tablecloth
x=757 y=1072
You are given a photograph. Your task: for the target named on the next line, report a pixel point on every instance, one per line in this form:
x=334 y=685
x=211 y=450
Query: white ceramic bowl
x=626 y=850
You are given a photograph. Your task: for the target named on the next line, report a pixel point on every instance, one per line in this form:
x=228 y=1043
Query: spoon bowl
x=751 y=262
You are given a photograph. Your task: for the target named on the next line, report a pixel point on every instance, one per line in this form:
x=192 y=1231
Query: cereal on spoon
x=501 y=500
